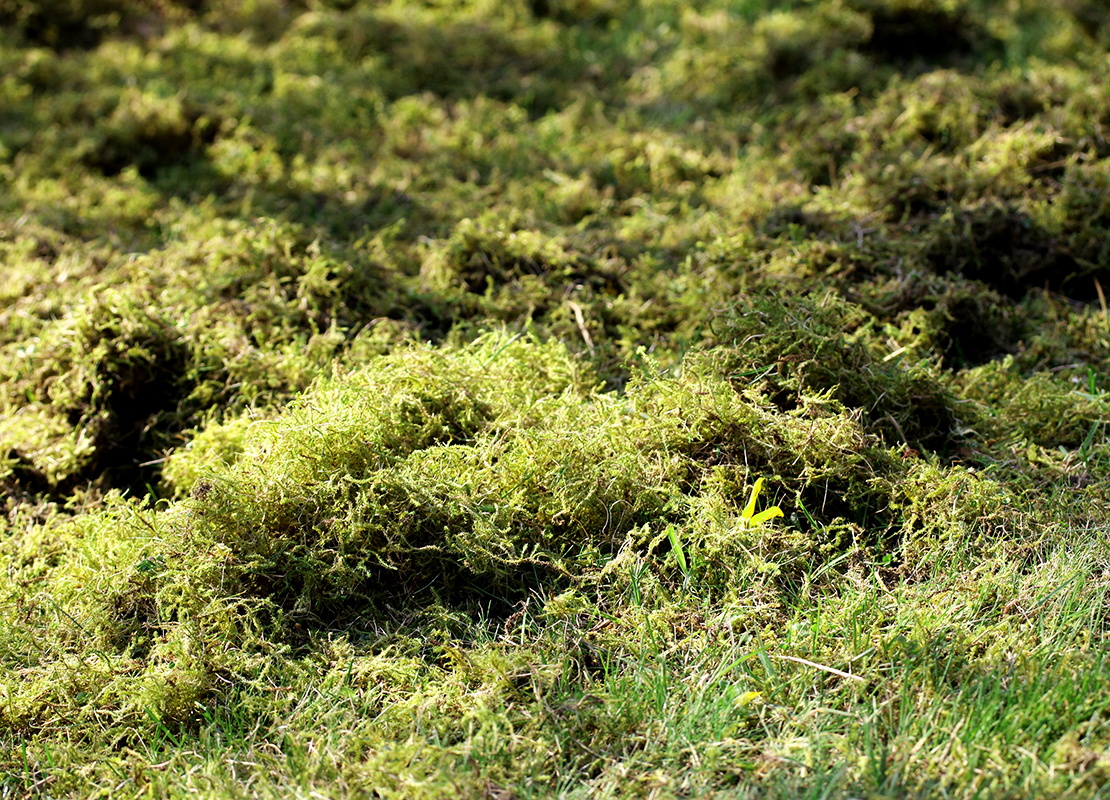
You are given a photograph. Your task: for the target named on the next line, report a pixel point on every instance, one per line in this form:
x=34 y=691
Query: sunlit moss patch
x=553 y=397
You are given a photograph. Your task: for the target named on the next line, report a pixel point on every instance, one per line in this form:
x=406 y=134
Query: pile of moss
x=385 y=388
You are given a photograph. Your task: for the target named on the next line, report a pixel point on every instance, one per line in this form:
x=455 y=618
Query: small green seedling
x=748 y=519
x=680 y=554
x=748 y=516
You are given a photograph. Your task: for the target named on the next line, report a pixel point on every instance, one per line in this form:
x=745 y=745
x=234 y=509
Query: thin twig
x=822 y=667
x=577 y=309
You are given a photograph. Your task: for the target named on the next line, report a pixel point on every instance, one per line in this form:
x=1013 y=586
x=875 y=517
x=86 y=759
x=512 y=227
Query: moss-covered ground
x=386 y=391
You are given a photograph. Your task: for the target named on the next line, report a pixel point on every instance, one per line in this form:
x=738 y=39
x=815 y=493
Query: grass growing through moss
x=559 y=398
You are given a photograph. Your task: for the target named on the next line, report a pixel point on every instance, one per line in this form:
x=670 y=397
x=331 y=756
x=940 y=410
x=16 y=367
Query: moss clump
x=1050 y=412
x=460 y=480
x=807 y=345
x=66 y=24
x=104 y=399
x=383 y=386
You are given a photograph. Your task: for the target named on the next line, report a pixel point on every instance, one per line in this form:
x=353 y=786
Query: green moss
x=383 y=387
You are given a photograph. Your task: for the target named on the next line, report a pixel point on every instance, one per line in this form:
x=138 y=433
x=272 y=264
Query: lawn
x=518 y=399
